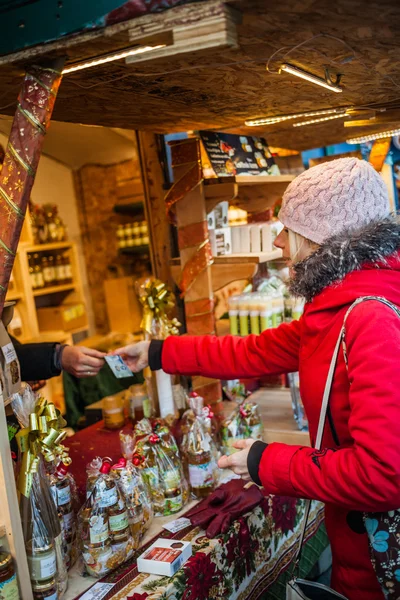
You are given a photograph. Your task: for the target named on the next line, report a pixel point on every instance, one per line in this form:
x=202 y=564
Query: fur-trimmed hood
x=342 y=254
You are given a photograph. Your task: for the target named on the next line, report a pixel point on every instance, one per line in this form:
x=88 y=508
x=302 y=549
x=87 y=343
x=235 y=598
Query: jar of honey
x=8 y=578
x=42 y=562
x=113 y=412
x=45 y=590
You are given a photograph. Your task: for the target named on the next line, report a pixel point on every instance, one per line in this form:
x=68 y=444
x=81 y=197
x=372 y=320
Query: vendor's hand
x=136 y=356
x=81 y=361
x=237 y=462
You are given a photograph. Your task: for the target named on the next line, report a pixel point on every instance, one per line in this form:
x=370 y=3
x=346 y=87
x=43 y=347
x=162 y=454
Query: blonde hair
x=300 y=247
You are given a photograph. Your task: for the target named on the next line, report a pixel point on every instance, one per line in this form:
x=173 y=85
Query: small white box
x=221 y=241
x=255 y=239
x=235 y=237
x=164 y=557
x=266 y=237
x=218 y=218
x=244 y=239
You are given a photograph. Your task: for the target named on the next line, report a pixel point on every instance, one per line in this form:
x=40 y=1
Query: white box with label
x=164 y=557
x=218 y=218
x=221 y=241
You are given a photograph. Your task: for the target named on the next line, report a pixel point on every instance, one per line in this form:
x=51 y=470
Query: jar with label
x=113 y=412
x=45 y=590
x=96 y=543
x=118 y=519
x=60 y=487
x=123 y=546
x=8 y=578
x=138 y=399
x=42 y=561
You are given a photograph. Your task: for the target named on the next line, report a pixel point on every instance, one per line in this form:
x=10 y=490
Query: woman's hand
x=237 y=462
x=136 y=356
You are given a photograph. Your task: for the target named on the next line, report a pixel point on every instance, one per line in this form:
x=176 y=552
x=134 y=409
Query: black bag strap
x=325 y=403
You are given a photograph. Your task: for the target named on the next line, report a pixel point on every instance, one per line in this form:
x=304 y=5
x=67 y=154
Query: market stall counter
x=248 y=561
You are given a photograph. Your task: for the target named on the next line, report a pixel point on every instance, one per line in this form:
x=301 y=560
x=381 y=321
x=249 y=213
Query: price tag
x=9 y=353
x=177 y=525
x=98 y=591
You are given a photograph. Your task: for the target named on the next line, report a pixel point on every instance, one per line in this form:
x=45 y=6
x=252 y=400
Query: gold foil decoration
x=157 y=300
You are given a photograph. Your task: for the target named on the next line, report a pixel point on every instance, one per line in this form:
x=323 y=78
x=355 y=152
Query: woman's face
x=302 y=251
x=282 y=242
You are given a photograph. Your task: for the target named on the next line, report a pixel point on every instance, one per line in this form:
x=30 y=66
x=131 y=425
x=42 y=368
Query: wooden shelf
x=135 y=250
x=252 y=193
x=54 y=289
x=47 y=247
x=13 y=296
x=261 y=257
x=129 y=208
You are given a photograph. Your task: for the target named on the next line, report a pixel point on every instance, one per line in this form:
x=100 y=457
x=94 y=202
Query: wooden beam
x=155 y=210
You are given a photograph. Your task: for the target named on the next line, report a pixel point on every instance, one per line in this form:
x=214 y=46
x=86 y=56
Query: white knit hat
x=330 y=198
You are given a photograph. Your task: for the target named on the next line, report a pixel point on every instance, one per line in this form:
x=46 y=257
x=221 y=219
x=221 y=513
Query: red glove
x=230 y=501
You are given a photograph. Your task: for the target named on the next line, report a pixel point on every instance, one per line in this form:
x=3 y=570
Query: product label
x=168 y=555
x=173 y=505
x=64 y=495
x=98 y=591
x=68 y=271
x=34 y=282
x=53 y=491
x=202 y=475
x=98 y=529
x=47 y=274
x=68 y=521
x=9 y=589
x=39 y=279
x=9 y=353
x=108 y=498
x=178 y=524
x=171 y=479
x=118 y=522
x=48 y=566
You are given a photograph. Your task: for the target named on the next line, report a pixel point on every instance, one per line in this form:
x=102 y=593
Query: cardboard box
x=164 y=557
x=65 y=317
x=124 y=310
x=221 y=241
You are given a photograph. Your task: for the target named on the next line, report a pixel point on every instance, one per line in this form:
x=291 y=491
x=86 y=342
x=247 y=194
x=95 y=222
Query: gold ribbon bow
x=157 y=300
x=43 y=435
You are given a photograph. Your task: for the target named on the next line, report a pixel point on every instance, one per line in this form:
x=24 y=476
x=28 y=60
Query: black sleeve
x=155 y=354
x=254 y=459
x=37 y=361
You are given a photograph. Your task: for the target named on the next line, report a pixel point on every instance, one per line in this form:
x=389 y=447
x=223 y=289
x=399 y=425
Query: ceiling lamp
x=326 y=83
x=280 y=118
x=107 y=58
x=373 y=136
x=312 y=121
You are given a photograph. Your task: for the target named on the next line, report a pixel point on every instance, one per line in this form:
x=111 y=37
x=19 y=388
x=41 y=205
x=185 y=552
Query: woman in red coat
x=342 y=244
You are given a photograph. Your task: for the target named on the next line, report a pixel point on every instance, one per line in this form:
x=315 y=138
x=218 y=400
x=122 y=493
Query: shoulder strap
x=325 y=402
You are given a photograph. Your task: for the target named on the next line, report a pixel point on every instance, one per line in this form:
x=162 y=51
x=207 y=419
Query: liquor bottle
x=32 y=274
x=60 y=487
x=67 y=268
x=60 y=270
x=47 y=272
x=200 y=453
x=38 y=271
x=52 y=270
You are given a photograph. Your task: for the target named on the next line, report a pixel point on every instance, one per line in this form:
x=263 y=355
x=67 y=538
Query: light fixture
x=107 y=58
x=326 y=83
x=280 y=118
x=311 y=121
x=373 y=136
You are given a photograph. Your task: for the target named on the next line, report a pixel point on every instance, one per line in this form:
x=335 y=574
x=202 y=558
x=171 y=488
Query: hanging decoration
x=34 y=108
x=157 y=300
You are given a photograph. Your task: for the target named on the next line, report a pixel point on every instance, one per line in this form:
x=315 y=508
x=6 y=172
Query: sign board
x=230 y=155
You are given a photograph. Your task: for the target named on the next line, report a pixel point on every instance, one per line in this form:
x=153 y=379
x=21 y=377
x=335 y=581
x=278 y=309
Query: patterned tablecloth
x=242 y=564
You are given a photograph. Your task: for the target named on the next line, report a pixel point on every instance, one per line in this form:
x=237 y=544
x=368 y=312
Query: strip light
x=310 y=77
x=107 y=58
x=373 y=136
x=311 y=121
x=280 y=118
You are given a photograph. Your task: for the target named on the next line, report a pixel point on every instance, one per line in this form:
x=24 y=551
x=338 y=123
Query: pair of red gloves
x=229 y=502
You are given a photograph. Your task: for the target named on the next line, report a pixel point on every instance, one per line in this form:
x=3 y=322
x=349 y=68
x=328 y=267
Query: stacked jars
x=48 y=270
x=133 y=234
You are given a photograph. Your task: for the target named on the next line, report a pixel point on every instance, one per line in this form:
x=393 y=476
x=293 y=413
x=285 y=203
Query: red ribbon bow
x=138 y=459
x=154 y=438
x=244 y=413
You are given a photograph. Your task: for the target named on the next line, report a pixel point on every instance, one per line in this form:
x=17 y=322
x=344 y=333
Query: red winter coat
x=359 y=468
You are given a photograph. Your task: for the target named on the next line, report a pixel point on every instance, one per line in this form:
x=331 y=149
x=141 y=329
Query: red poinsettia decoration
x=201 y=576
x=284 y=512
x=137 y=596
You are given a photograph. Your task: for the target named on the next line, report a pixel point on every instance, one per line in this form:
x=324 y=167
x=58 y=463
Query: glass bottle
x=67 y=268
x=52 y=270
x=60 y=270
x=51 y=224
x=113 y=412
x=38 y=271
x=32 y=274
x=47 y=272
x=96 y=544
x=45 y=590
x=8 y=578
x=60 y=488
